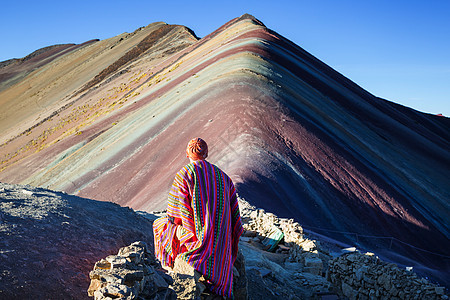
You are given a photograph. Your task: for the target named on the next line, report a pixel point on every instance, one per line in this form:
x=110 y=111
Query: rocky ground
x=282 y=262
x=53 y=245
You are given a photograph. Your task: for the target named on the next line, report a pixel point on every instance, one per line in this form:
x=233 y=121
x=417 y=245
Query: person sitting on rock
x=203 y=224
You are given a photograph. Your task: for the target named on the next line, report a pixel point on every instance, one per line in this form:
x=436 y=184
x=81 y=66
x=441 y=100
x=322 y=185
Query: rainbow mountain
x=110 y=120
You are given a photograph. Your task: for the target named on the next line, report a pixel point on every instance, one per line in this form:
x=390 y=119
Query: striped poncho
x=203 y=201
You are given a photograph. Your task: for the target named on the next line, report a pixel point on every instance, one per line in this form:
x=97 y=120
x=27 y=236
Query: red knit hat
x=197 y=149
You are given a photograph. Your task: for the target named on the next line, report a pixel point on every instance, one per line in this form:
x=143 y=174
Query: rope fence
x=392 y=239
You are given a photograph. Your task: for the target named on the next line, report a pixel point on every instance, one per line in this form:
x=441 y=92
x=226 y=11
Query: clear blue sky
x=396 y=49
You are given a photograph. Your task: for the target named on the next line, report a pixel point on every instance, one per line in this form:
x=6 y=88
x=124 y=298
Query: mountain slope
x=297 y=137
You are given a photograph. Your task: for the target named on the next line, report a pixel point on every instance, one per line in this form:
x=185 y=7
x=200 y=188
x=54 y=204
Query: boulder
x=129 y=274
x=240 y=282
x=186 y=280
x=313 y=265
x=348 y=291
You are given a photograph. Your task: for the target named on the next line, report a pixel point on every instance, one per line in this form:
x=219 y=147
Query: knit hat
x=197 y=149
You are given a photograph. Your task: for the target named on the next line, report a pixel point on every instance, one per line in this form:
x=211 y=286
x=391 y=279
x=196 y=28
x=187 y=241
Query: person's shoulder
x=186 y=170
x=224 y=175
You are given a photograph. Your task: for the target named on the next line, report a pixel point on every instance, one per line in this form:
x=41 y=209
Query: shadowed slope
x=297 y=138
x=50 y=241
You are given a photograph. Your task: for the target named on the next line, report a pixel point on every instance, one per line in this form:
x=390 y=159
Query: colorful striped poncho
x=203 y=201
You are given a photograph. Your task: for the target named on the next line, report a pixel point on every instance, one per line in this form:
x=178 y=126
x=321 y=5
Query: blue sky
x=398 y=50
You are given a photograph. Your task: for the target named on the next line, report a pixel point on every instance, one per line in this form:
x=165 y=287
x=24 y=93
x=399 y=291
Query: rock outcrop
x=130 y=274
x=135 y=274
x=294 y=269
x=365 y=276
x=306 y=267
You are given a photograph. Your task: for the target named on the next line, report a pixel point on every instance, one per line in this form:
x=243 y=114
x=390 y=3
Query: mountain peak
x=250 y=17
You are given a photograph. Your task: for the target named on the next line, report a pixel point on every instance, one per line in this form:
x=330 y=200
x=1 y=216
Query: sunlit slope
x=90 y=98
x=297 y=137
x=50 y=77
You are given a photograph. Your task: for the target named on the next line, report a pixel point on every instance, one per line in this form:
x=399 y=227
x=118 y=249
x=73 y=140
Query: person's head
x=197 y=149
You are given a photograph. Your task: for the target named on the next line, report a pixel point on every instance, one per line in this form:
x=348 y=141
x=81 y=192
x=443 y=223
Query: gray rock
x=140 y=244
x=160 y=283
x=293 y=266
x=439 y=290
x=360 y=272
x=348 y=291
x=112 y=278
x=313 y=265
x=166 y=277
x=102 y=264
x=264 y=272
x=135 y=275
x=352 y=257
x=376 y=279
x=117 y=261
x=246 y=239
x=240 y=283
x=250 y=233
x=167 y=294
